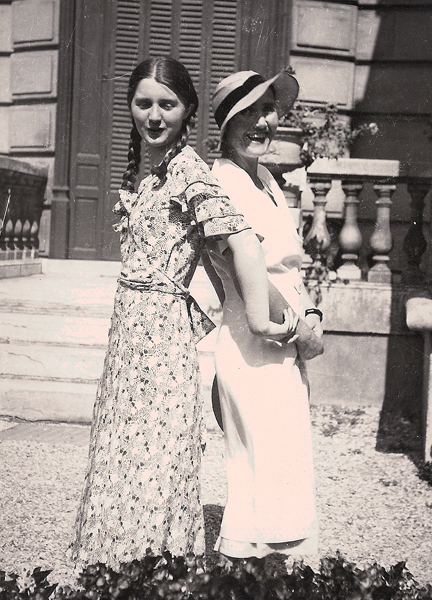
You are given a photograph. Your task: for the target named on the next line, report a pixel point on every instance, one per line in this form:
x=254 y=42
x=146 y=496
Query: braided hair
x=134 y=160
x=175 y=76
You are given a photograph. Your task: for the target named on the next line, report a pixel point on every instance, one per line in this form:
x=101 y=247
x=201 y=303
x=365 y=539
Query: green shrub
x=176 y=578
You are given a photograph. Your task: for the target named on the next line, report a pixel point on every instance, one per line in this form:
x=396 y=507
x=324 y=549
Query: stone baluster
x=350 y=237
x=414 y=244
x=381 y=241
x=17 y=240
x=317 y=240
x=34 y=239
x=8 y=231
x=26 y=239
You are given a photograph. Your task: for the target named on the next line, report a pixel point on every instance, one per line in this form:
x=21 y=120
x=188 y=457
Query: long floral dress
x=263 y=391
x=142 y=486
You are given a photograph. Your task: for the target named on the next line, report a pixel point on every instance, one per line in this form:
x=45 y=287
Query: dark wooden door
x=212 y=38
x=90 y=130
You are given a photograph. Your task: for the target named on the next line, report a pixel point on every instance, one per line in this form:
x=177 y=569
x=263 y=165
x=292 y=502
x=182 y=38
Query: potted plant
x=307 y=133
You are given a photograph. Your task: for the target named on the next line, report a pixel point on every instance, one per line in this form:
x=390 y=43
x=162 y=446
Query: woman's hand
x=314 y=322
x=261 y=297
x=309 y=342
x=281 y=332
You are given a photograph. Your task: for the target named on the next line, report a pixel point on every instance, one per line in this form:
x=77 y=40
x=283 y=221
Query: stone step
x=51 y=362
x=53 y=337
x=62 y=348
x=58 y=382
x=65 y=330
x=70 y=402
x=53 y=329
x=75 y=364
x=36 y=307
x=67 y=400
x=47 y=400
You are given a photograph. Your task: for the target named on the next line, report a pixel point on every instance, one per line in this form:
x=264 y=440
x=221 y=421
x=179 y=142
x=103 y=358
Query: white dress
x=264 y=397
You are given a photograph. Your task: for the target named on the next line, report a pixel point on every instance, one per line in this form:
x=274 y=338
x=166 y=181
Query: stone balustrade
x=22 y=188
x=366 y=224
x=382 y=177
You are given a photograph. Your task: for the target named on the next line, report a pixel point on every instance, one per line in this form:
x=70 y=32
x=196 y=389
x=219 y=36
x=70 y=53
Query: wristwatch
x=314 y=311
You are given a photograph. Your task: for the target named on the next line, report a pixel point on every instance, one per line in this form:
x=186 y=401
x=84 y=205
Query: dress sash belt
x=201 y=324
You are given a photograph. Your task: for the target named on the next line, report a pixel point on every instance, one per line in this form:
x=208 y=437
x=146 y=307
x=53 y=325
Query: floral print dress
x=142 y=486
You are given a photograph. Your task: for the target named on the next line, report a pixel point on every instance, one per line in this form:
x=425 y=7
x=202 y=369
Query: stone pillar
x=6 y=240
x=5 y=74
x=419 y=318
x=427 y=397
x=317 y=241
x=381 y=240
x=350 y=237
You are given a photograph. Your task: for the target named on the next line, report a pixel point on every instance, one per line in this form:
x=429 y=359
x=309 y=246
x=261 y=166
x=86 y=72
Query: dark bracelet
x=314 y=311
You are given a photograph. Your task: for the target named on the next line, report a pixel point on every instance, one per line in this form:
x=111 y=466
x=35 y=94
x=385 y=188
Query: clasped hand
x=286 y=331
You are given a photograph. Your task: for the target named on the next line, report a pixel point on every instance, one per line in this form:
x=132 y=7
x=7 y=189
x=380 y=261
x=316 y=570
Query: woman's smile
x=258 y=136
x=250 y=132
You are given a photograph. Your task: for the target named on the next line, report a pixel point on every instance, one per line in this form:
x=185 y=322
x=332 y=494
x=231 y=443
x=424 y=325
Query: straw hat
x=240 y=90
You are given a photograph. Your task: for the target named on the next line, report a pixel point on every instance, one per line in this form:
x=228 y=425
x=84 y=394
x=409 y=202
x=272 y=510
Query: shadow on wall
x=400 y=425
x=393 y=82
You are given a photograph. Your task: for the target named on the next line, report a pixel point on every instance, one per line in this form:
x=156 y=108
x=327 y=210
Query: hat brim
x=286 y=91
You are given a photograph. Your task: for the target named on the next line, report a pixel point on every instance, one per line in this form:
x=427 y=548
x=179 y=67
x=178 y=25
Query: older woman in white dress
x=262 y=384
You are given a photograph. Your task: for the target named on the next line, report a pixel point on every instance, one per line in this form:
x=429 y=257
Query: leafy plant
x=323 y=131
x=184 y=578
x=31 y=585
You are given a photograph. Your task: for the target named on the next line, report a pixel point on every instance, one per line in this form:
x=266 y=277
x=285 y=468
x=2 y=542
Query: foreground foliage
x=185 y=579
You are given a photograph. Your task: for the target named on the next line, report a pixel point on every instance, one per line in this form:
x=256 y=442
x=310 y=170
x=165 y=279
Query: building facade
x=64 y=67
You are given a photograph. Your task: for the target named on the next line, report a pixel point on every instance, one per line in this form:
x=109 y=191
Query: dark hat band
x=233 y=97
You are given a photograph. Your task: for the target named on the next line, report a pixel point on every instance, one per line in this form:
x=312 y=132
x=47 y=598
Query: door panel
x=89 y=126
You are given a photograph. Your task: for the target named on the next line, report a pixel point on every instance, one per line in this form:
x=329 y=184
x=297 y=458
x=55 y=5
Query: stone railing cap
x=419 y=313
x=20 y=166
x=363 y=167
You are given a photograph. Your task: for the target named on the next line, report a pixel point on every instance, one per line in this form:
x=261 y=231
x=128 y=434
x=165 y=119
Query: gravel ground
x=373 y=507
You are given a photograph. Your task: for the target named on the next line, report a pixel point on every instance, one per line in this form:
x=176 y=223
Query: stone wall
x=29 y=42
x=371 y=357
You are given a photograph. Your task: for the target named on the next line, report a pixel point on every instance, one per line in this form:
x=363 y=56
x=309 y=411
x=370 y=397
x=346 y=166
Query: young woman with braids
x=142 y=485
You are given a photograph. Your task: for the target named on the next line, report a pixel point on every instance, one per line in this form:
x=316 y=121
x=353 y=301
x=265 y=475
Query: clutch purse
x=216 y=403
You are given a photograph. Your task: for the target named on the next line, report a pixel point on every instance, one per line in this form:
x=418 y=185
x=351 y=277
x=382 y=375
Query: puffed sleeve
x=123 y=208
x=198 y=191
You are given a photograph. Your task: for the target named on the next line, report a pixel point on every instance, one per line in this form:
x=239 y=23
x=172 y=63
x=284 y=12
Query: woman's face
x=158 y=114
x=250 y=132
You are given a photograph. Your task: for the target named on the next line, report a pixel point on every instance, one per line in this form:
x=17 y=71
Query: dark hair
x=174 y=75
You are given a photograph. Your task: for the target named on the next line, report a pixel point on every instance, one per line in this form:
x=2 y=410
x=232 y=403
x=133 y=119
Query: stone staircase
x=53 y=335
